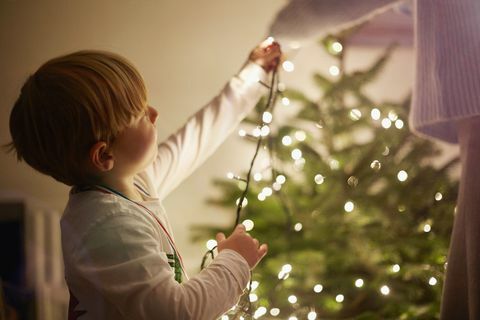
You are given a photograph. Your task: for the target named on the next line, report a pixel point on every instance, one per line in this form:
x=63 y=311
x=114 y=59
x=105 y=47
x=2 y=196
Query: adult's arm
x=304 y=20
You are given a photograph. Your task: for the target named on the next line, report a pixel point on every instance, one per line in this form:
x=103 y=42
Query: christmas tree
x=356 y=217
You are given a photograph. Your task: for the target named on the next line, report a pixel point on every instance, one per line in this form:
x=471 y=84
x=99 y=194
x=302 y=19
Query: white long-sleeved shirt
x=447 y=82
x=117 y=258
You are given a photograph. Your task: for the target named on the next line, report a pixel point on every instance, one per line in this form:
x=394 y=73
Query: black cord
x=272 y=97
x=270 y=103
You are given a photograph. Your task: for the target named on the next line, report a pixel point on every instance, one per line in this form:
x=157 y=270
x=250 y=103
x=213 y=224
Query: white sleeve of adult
x=122 y=261
x=192 y=144
x=307 y=20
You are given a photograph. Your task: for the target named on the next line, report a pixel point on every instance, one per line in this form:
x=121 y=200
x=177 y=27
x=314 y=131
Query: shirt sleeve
x=192 y=144
x=303 y=20
x=122 y=260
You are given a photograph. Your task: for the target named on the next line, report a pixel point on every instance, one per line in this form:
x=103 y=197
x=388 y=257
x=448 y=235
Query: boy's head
x=70 y=103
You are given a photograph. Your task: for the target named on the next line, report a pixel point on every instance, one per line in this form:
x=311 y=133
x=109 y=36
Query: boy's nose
x=153 y=114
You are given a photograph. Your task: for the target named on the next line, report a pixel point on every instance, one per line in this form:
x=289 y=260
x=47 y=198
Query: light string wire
x=272 y=98
x=245 y=303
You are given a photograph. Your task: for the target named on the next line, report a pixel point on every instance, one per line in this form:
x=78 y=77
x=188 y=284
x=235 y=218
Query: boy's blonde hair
x=70 y=103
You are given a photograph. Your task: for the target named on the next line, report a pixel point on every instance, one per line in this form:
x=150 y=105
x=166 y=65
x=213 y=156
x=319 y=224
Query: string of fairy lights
x=261 y=132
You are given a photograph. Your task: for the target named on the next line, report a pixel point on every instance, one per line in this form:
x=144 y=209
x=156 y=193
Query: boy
x=83 y=119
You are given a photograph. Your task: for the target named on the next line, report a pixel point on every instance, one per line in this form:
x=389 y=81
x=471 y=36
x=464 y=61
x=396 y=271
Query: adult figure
x=445 y=106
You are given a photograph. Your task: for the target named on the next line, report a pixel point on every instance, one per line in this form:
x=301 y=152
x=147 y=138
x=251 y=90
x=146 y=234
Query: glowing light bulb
x=337 y=47
x=267 y=191
x=334 y=71
x=244 y=202
x=349 y=206
x=257 y=132
x=359 y=283
x=260 y=312
x=255 y=285
x=318 y=288
x=298 y=226
x=225 y=317
x=438 y=196
x=312 y=315
x=395 y=268
x=402 y=175
x=427 y=228
x=281 y=179
x=230 y=175
x=340 y=298
x=248 y=224
x=257 y=176
x=432 y=281
x=385 y=290
x=285 y=101
x=242 y=133
x=286 y=140
x=287 y=268
x=261 y=197
x=319 y=179
x=274 y=312
x=355 y=114
x=375 y=114
x=292 y=299
x=253 y=297
x=296 y=154
x=276 y=186
x=386 y=123
x=267 y=117
x=265 y=131
x=392 y=116
x=288 y=66
x=211 y=244
x=399 y=124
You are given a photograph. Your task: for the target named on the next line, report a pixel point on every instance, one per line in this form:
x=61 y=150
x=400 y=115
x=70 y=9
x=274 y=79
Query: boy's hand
x=244 y=244
x=267 y=54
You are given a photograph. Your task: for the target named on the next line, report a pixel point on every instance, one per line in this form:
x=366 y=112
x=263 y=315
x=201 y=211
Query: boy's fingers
x=220 y=237
x=272 y=56
x=274 y=63
x=262 y=251
x=239 y=228
x=255 y=241
x=267 y=42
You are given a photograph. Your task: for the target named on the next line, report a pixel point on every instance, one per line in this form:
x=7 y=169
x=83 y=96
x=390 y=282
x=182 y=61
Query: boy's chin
x=151 y=161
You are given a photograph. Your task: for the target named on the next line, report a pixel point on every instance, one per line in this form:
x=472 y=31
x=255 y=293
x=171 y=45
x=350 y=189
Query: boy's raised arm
x=191 y=145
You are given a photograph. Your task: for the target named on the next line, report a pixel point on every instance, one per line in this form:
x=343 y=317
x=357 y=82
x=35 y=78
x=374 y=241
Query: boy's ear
x=100 y=157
